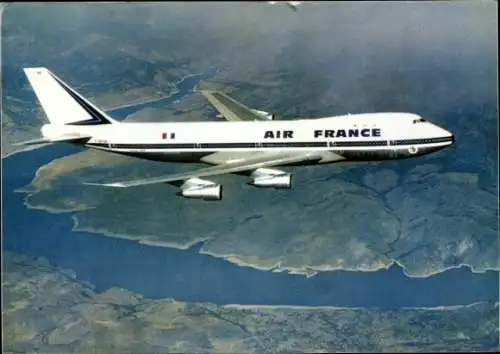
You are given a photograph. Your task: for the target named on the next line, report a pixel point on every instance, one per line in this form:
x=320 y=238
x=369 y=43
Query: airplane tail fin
x=62 y=104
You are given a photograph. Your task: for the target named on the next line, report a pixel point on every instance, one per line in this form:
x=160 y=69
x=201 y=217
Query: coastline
x=307 y=271
x=340 y=308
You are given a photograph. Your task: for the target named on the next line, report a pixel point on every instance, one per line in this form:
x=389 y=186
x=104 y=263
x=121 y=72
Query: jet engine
x=267 y=115
x=200 y=189
x=266 y=177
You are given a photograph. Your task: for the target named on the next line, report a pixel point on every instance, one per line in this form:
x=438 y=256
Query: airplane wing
x=231 y=109
x=259 y=161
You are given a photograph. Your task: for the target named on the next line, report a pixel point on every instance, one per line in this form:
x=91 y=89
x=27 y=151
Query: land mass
x=428 y=214
x=46 y=309
x=427 y=219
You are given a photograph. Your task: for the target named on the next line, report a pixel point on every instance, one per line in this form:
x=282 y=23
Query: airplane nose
x=449 y=135
x=443 y=133
x=438 y=133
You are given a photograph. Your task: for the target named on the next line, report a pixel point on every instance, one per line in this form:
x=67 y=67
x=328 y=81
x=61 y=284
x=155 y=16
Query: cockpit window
x=420 y=120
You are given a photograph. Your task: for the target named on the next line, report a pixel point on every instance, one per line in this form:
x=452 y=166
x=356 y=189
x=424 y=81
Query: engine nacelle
x=200 y=189
x=266 y=177
x=267 y=115
x=264 y=114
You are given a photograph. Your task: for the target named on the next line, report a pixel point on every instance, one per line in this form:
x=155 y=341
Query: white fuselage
x=357 y=136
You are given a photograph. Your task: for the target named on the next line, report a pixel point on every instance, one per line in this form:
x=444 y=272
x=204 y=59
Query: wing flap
x=231 y=109
x=250 y=164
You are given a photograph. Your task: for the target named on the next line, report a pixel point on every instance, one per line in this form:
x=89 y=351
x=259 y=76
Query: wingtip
x=115 y=184
x=35 y=69
x=92 y=184
x=32 y=142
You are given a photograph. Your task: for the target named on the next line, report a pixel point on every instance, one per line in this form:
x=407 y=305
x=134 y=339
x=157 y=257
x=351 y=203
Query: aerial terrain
x=386 y=256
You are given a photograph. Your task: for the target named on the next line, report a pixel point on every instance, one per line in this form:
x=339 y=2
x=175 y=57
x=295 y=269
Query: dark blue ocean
x=186 y=275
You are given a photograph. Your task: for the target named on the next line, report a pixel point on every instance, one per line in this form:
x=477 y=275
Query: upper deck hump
x=254 y=130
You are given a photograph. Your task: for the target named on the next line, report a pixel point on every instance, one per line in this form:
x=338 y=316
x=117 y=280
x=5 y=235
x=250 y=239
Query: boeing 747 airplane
x=251 y=143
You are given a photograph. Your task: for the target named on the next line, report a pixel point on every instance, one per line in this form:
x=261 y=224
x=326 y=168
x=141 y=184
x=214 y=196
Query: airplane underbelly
x=164 y=156
x=387 y=153
x=220 y=157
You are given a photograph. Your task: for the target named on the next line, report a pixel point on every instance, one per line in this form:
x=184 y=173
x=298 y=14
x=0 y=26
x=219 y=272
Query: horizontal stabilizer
x=66 y=138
